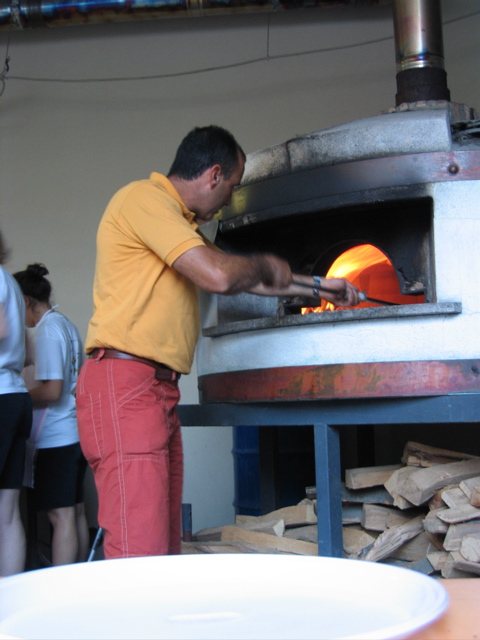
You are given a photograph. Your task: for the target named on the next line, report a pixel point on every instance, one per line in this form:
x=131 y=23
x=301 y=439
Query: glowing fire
x=371 y=271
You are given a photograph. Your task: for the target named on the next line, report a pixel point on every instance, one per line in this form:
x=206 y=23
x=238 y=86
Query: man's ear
x=215 y=174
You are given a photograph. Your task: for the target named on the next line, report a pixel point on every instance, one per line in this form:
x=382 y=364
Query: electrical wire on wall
x=264 y=58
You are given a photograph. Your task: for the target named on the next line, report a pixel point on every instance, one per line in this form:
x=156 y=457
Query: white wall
x=66 y=147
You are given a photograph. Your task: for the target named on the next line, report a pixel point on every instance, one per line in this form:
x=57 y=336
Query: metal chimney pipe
x=419 y=51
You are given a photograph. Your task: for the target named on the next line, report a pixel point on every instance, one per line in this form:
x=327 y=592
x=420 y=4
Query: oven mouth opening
x=394 y=240
x=372 y=272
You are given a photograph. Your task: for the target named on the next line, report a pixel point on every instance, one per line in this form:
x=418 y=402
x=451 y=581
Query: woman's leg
x=16 y=418
x=12 y=534
x=64 y=540
x=83 y=533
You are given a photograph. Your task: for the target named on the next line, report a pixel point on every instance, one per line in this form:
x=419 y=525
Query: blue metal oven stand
x=327 y=417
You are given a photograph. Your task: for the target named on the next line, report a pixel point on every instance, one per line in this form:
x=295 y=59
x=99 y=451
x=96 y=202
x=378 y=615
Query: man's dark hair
x=202 y=148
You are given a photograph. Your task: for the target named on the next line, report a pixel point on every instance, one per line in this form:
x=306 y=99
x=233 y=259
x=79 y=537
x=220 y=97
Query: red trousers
x=131 y=437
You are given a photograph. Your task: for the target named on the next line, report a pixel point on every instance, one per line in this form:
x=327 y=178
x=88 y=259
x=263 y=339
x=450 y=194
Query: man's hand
x=343 y=293
x=274 y=271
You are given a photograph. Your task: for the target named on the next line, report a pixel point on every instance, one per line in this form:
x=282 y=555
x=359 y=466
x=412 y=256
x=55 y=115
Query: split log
x=471 y=489
x=307 y=501
x=436 y=540
x=274 y=527
x=470 y=547
x=454 y=497
x=234 y=533
x=467 y=485
x=221 y=547
x=355 y=540
x=432 y=522
x=226 y=547
x=370 y=495
x=421 y=485
x=190 y=548
x=376 y=495
x=364 y=477
x=414 y=550
x=295 y=516
x=249 y=547
x=378 y=518
x=436 y=501
x=437 y=559
x=395 y=483
x=422 y=566
x=456 y=532
x=391 y=539
x=242 y=518
x=475 y=497
x=211 y=534
x=461 y=514
x=422 y=455
x=308 y=533
x=352 y=513
x=457 y=567
x=402 y=503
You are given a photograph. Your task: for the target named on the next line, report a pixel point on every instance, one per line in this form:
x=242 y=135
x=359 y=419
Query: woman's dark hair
x=202 y=148
x=33 y=283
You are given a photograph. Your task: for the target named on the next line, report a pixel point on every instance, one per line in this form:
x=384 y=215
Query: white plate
x=230 y=596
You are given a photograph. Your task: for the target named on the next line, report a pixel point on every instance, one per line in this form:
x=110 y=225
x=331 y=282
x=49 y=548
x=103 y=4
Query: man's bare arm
x=227 y=274
x=339 y=291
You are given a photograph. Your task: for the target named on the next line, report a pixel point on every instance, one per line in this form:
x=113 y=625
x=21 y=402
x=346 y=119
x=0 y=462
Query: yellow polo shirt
x=142 y=305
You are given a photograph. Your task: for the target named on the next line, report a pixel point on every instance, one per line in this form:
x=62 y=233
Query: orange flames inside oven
x=371 y=271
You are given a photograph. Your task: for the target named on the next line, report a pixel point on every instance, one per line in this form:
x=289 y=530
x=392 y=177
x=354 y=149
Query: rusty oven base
x=343 y=381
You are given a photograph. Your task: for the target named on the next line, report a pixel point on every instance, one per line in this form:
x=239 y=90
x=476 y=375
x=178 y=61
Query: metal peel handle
x=362 y=296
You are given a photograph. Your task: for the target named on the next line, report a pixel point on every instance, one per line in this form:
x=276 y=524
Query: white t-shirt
x=58 y=356
x=12 y=344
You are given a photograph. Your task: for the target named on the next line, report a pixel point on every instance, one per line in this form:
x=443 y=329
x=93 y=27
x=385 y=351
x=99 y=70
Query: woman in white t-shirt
x=59 y=465
x=15 y=421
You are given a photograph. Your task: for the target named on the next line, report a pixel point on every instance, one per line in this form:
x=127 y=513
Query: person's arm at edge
x=3 y=322
x=47 y=391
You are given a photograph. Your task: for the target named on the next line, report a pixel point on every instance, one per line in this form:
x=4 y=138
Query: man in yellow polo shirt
x=151 y=261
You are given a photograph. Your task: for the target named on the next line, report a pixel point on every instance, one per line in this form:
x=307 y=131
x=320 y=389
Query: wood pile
x=291 y=530
x=423 y=514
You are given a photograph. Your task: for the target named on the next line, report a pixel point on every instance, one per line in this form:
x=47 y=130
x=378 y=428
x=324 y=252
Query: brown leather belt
x=162 y=372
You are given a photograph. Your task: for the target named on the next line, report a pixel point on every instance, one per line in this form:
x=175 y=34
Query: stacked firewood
x=423 y=514
x=291 y=530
